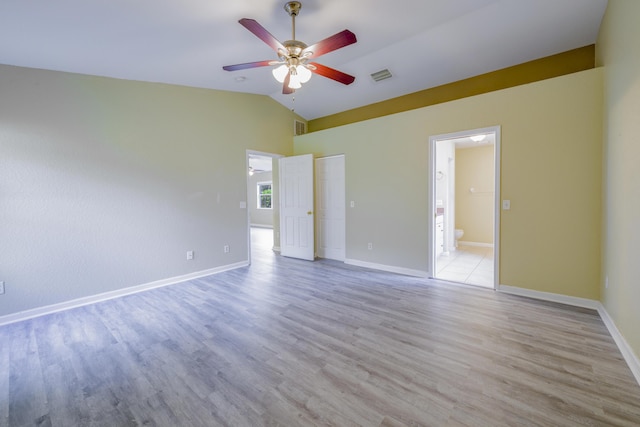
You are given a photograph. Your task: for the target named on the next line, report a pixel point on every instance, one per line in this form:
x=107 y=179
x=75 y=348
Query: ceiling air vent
x=381 y=75
x=299 y=128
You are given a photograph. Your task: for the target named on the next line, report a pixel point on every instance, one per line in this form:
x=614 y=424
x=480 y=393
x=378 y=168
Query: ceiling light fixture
x=294 y=69
x=478 y=138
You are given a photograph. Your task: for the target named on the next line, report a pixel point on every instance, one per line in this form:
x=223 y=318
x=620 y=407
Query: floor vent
x=381 y=75
x=299 y=128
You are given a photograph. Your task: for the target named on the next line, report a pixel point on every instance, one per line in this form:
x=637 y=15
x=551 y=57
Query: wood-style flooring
x=296 y=343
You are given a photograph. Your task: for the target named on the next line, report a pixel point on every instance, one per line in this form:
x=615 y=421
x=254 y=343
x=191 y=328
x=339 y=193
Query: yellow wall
x=551 y=171
x=617 y=50
x=474 y=209
x=106 y=184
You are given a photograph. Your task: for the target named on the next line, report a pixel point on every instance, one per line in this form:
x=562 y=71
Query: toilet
x=458 y=234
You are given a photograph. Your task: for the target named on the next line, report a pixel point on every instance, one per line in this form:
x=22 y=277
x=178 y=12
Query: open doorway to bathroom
x=464 y=206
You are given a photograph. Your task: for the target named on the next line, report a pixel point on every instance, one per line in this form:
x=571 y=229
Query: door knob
x=309 y=212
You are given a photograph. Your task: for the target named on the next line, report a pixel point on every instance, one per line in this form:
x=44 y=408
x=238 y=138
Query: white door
x=330 y=207
x=296 y=207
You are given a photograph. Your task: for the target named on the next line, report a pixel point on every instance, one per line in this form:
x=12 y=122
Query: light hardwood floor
x=297 y=343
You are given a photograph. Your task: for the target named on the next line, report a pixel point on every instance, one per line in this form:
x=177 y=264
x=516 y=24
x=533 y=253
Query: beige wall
x=105 y=183
x=474 y=210
x=617 y=50
x=551 y=171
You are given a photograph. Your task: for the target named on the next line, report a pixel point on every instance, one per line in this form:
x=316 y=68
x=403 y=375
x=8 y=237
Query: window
x=264 y=195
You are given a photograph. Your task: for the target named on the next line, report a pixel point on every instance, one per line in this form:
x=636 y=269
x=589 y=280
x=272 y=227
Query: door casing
x=432 y=197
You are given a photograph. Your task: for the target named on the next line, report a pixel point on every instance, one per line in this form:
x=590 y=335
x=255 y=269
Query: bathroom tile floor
x=468 y=264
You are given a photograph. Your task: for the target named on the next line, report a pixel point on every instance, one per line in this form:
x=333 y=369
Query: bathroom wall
x=475 y=193
x=445 y=189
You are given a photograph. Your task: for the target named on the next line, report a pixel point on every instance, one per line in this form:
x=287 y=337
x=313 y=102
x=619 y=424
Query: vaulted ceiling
x=423 y=43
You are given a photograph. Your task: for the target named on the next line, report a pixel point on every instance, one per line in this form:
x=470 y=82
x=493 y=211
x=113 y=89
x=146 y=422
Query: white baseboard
x=627 y=352
x=548 y=296
x=261 y=226
x=276 y=248
x=389 y=268
x=79 y=302
x=476 y=244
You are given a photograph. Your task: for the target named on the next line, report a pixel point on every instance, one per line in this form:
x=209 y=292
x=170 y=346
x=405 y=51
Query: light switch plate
x=506 y=205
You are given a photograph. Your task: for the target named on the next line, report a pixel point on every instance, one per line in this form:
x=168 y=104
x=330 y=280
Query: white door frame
x=247 y=201
x=432 y=197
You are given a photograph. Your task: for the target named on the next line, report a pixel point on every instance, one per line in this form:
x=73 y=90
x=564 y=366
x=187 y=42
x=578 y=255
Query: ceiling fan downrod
x=293 y=8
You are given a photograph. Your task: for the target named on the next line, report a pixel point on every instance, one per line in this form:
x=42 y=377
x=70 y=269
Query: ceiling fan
x=294 y=67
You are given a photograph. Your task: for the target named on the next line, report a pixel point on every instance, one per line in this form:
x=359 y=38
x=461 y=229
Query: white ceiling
x=261 y=163
x=424 y=43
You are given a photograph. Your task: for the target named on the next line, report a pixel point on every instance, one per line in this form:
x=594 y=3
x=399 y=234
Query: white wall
x=445 y=189
x=106 y=184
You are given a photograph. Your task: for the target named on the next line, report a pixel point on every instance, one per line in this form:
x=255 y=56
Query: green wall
x=106 y=184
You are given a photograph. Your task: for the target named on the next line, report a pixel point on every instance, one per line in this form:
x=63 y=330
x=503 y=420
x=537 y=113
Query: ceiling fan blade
x=331 y=73
x=260 y=32
x=336 y=41
x=248 y=65
x=286 y=90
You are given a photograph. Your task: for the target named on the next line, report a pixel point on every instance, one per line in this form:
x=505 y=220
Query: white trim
x=276 y=248
x=548 y=296
x=476 y=244
x=433 y=139
x=627 y=352
x=389 y=268
x=79 y=302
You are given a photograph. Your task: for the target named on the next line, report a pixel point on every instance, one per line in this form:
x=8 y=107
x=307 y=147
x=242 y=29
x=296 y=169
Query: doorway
x=464 y=207
x=263 y=225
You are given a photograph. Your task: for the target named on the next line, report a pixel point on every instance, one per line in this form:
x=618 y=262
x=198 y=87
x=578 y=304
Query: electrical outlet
x=1 y=288
x=189 y=254
x=226 y=249
x=370 y=246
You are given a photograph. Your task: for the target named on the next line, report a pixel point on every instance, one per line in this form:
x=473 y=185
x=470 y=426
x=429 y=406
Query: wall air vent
x=299 y=128
x=381 y=75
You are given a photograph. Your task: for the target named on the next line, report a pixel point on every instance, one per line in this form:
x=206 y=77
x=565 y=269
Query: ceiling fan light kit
x=293 y=67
